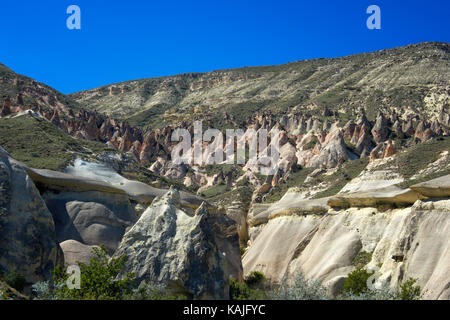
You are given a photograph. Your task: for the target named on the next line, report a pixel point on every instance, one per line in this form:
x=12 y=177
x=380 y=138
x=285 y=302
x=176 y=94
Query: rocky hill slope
x=414 y=78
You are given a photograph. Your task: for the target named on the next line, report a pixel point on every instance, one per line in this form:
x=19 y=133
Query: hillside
x=362 y=181
x=19 y=91
x=414 y=78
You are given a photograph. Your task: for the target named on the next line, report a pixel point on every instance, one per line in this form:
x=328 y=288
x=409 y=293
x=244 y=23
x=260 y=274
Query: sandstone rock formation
x=436 y=188
x=403 y=242
x=27 y=238
x=92 y=218
x=391 y=195
x=75 y=251
x=192 y=254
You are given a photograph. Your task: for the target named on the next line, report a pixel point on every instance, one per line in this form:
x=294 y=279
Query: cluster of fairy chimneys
x=368 y=138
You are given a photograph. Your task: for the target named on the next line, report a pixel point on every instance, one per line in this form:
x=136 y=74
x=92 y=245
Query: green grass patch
x=418 y=157
x=40 y=144
x=348 y=171
x=296 y=179
x=215 y=190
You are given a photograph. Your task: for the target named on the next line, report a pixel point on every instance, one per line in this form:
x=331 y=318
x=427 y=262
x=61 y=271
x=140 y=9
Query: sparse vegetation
x=336 y=181
x=215 y=190
x=419 y=156
x=311 y=144
x=102 y=279
x=341 y=84
x=300 y=289
x=296 y=179
x=361 y=259
x=154 y=292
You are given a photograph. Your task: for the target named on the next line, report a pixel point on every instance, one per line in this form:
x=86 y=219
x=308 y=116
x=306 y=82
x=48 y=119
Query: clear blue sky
x=125 y=40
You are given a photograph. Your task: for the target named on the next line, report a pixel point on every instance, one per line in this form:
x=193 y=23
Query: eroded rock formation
x=192 y=254
x=28 y=242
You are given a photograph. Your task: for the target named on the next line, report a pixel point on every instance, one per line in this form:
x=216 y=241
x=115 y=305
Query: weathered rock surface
x=92 y=218
x=435 y=188
x=290 y=204
x=98 y=176
x=391 y=195
x=90 y=211
x=409 y=242
x=370 y=179
x=333 y=153
x=75 y=251
x=27 y=238
x=191 y=254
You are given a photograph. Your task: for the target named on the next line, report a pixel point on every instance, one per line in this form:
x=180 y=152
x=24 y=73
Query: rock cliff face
x=403 y=242
x=192 y=254
x=27 y=238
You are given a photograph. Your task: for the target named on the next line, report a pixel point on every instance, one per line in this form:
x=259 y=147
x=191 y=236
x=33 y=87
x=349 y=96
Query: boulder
x=194 y=255
x=27 y=238
x=75 y=251
x=92 y=218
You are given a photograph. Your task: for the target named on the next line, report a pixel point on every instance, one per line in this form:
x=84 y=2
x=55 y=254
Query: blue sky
x=125 y=40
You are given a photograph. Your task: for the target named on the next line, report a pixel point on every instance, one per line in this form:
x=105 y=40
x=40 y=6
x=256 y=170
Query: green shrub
x=14 y=279
x=356 y=282
x=409 y=291
x=100 y=279
x=254 y=277
x=242 y=291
